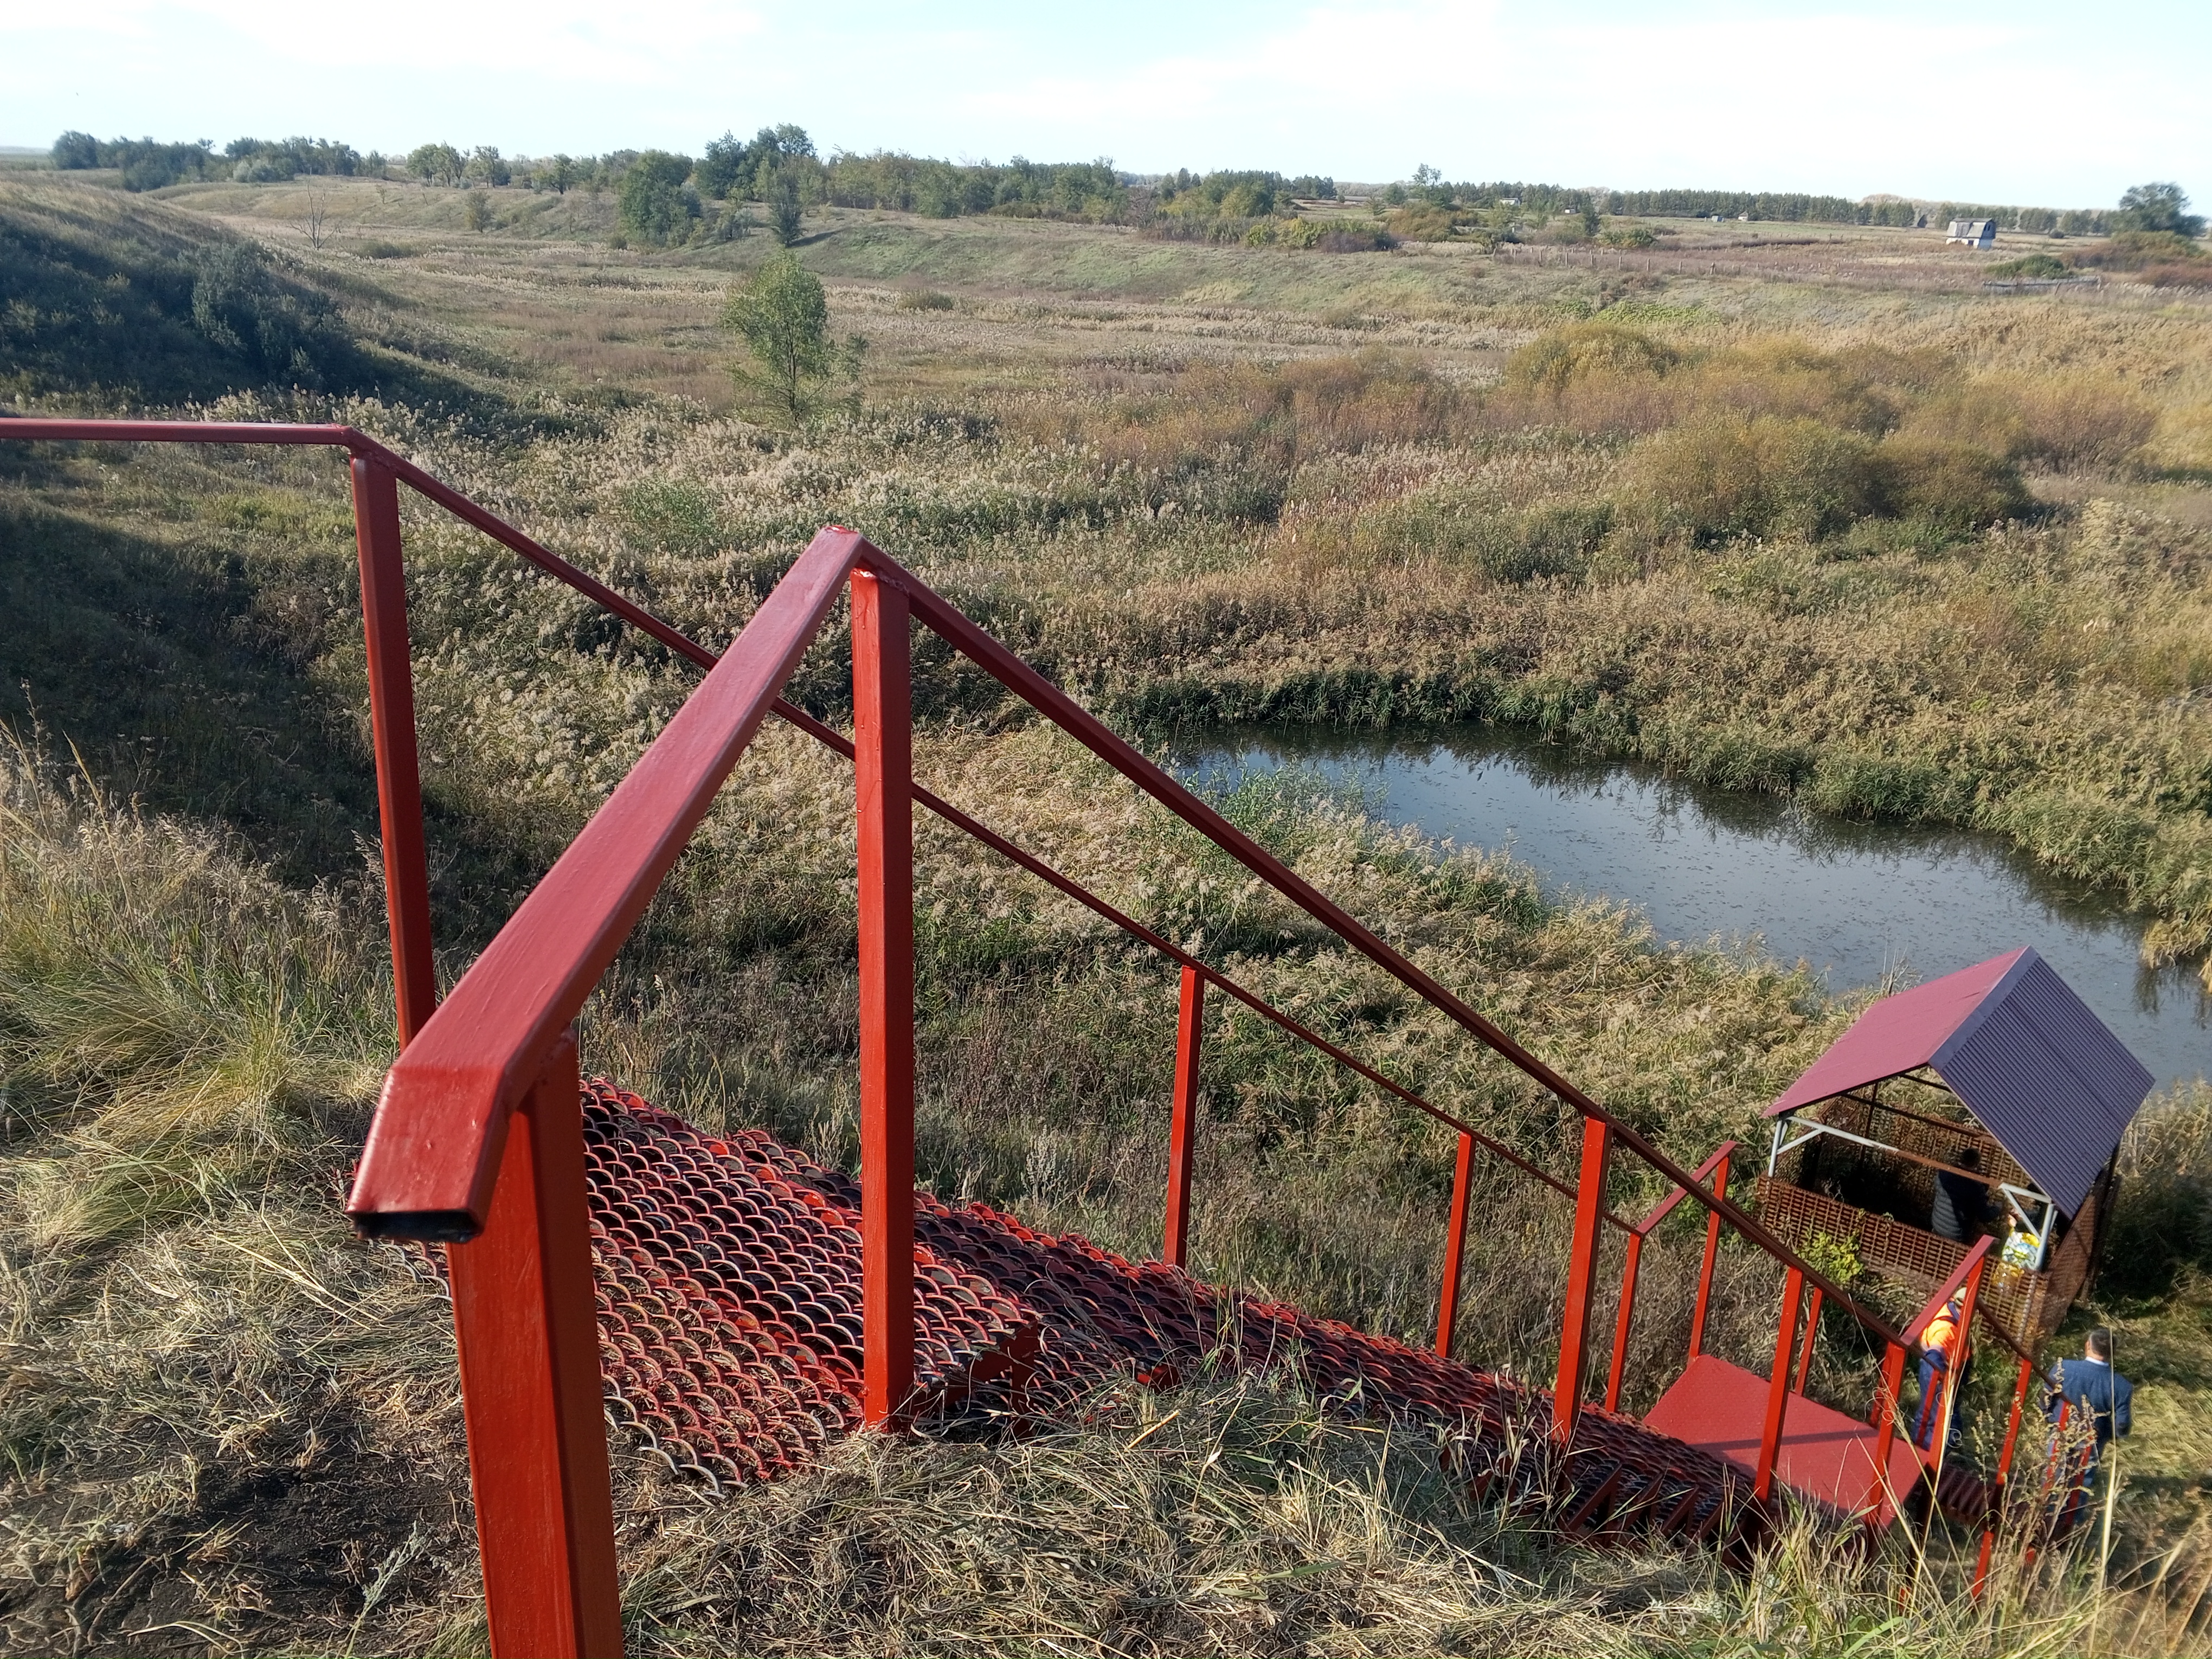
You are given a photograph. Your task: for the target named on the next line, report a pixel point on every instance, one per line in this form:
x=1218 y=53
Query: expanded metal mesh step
x=727 y=1275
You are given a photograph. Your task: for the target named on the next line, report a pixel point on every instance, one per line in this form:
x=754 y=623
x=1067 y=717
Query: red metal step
x=727 y=1275
x=1825 y=1456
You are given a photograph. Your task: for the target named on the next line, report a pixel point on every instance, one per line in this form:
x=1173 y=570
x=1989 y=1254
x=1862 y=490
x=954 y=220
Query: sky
x=2045 y=102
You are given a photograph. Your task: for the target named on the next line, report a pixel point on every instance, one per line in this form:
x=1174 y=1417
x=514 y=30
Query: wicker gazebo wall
x=2027 y=1304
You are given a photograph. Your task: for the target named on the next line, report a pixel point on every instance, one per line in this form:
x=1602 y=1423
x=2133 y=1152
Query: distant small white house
x=1971 y=233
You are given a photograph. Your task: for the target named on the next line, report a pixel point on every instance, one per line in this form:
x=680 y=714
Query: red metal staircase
x=742 y=1304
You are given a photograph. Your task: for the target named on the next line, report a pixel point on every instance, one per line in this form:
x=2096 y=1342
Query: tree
x=560 y=174
x=723 y=168
x=2158 y=207
x=781 y=192
x=783 y=317
x=435 y=164
x=488 y=167
x=651 y=204
x=478 y=211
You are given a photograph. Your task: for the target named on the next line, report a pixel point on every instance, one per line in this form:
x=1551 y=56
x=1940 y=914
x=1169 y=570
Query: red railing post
x=1996 y=1517
x=1778 y=1386
x=1629 y=1272
x=1811 y=1330
x=1956 y=1368
x=1706 y=1272
x=1455 y=1246
x=882 y=778
x=1888 y=1401
x=1581 y=1278
x=391 y=727
x=529 y=1340
x=1182 y=1129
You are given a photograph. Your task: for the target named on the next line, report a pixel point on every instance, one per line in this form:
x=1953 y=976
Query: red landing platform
x=1825 y=1456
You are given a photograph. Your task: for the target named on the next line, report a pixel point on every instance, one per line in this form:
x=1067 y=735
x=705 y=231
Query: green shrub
x=1952 y=486
x=1553 y=361
x=2036 y=266
x=651 y=204
x=1722 y=476
x=1628 y=236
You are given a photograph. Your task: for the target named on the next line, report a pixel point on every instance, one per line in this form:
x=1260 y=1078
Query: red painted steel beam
x=1811 y=1330
x=883 y=780
x=959 y=820
x=1954 y=1373
x=1581 y=1280
x=1018 y=677
x=1623 y=1318
x=392 y=725
x=1778 y=1386
x=1632 y=1273
x=2003 y=1475
x=1665 y=1207
x=1455 y=1245
x=1889 y=1400
x=1182 y=1128
x=1719 y=1165
x=529 y=1340
x=1094 y=735
x=433 y=1147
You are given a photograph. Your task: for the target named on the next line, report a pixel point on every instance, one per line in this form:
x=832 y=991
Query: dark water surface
x=1855 y=900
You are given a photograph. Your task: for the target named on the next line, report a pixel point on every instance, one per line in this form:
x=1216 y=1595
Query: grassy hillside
x=1908 y=550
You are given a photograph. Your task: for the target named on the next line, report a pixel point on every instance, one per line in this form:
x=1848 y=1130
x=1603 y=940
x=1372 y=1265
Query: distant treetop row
x=781 y=166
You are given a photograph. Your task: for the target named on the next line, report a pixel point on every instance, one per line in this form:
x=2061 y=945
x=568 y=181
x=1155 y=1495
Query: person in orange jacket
x=1940 y=1347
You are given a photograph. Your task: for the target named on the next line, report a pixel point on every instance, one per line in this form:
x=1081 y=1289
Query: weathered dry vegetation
x=1921 y=558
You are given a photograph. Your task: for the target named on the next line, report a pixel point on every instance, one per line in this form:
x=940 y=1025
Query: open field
x=1819 y=515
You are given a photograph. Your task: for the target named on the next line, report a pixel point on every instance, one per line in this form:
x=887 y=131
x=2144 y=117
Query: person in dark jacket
x=1962 y=1203
x=2090 y=1386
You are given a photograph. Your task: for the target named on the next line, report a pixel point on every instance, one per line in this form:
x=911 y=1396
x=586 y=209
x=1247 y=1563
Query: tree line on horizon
x=664 y=197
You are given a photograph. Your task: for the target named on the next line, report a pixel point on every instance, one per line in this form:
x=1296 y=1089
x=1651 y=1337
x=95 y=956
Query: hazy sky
x=2056 y=102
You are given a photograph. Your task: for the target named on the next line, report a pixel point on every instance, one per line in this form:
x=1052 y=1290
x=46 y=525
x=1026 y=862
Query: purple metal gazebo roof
x=2022 y=1052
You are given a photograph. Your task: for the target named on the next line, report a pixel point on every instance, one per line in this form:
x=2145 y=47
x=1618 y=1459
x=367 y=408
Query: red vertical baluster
x=883 y=771
x=1455 y=1246
x=1182 y=1131
x=1582 y=1279
x=1705 y=1273
x=1629 y=1272
x=1889 y=1400
x=1960 y=1350
x=392 y=725
x=529 y=1339
x=1778 y=1386
x=1811 y=1330
x=2004 y=1474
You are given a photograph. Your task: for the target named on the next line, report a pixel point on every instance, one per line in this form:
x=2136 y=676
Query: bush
x=651 y=204
x=239 y=304
x=1628 y=236
x=1424 y=223
x=1556 y=360
x=2037 y=266
x=1950 y=486
x=1723 y=477
x=2137 y=250
x=924 y=298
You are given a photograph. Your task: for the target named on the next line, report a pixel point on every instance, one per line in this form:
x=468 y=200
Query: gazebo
x=1995 y=1087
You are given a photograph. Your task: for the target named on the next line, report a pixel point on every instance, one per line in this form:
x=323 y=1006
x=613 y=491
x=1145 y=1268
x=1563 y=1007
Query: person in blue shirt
x=2090 y=1386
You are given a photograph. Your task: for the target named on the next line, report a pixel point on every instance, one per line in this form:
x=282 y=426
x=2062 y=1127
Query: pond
x=1854 y=901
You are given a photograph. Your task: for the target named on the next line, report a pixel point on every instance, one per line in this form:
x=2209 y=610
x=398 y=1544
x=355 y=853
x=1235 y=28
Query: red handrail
x=440 y=1162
